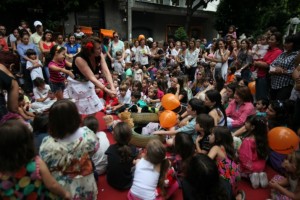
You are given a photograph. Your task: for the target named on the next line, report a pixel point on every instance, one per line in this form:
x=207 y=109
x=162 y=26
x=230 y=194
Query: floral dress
x=25 y=184
x=228 y=169
x=69 y=161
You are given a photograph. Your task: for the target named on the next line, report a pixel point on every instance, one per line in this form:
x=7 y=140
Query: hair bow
x=89 y=45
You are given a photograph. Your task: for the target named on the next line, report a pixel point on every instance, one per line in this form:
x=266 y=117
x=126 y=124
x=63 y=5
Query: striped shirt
x=56 y=76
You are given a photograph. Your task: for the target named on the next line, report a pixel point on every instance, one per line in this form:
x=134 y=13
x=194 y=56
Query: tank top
x=77 y=73
x=48 y=47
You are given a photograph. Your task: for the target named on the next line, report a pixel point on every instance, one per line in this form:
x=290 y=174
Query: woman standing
x=282 y=68
x=143 y=53
x=264 y=64
x=244 y=60
x=115 y=45
x=45 y=44
x=221 y=59
x=22 y=48
x=85 y=66
x=191 y=59
x=182 y=53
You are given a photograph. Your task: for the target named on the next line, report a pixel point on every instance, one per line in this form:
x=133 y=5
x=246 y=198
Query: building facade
x=158 y=19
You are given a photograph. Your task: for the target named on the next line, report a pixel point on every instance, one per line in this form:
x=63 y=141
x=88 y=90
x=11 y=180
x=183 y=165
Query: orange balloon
x=141 y=37
x=283 y=140
x=251 y=86
x=167 y=119
x=170 y=102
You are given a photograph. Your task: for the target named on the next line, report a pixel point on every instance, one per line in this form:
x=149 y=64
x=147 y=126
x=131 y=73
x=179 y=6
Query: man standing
x=36 y=37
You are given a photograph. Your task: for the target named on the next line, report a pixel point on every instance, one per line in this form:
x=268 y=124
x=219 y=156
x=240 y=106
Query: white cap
x=37 y=23
x=150 y=39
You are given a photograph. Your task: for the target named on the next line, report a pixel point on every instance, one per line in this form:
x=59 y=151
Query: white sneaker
x=254 y=178
x=263 y=179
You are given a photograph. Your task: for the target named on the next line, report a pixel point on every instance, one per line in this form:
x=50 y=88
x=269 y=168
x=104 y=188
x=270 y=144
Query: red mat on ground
x=106 y=192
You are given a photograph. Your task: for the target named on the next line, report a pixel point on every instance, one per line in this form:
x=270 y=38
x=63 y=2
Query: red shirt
x=4 y=45
x=112 y=101
x=270 y=56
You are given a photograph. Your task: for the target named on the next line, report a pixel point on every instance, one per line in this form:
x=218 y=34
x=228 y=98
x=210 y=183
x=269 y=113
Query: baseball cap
x=37 y=23
x=150 y=39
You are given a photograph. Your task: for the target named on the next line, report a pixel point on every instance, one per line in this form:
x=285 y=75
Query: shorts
x=59 y=86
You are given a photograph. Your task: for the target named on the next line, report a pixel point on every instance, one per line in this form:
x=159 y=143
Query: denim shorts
x=60 y=86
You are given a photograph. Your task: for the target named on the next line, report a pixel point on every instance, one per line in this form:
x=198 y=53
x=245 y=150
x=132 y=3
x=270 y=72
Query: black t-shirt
x=119 y=174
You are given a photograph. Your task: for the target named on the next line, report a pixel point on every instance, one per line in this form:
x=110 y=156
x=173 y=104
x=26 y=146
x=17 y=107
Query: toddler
x=35 y=69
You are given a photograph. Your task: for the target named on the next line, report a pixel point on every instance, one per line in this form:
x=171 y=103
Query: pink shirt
x=56 y=76
x=270 y=56
x=239 y=114
x=249 y=160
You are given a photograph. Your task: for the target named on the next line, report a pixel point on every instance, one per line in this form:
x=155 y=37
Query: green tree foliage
x=51 y=12
x=180 y=34
x=191 y=7
x=253 y=17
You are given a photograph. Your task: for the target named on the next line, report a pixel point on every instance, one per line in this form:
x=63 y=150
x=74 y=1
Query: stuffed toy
x=110 y=122
x=126 y=117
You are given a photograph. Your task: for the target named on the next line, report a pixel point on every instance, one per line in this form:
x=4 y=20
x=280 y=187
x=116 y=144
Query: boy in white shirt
x=124 y=99
x=99 y=158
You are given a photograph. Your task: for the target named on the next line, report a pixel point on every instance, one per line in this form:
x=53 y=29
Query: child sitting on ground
x=261 y=107
x=26 y=115
x=152 y=100
x=111 y=100
x=230 y=75
x=44 y=98
x=150 y=173
x=195 y=107
x=99 y=158
x=254 y=151
x=124 y=99
x=137 y=104
x=279 y=183
x=121 y=158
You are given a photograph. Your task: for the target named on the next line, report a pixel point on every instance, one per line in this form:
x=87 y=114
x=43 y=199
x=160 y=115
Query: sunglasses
x=199 y=74
x=116 y=36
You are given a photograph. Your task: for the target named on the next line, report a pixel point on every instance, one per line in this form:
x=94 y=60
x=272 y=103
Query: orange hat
x=141 y=37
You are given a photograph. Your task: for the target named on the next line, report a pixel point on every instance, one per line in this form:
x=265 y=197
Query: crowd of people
x=231 y=93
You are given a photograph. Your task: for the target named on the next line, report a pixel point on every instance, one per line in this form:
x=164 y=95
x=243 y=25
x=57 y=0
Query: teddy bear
x=110 y=122
x=126 y=117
